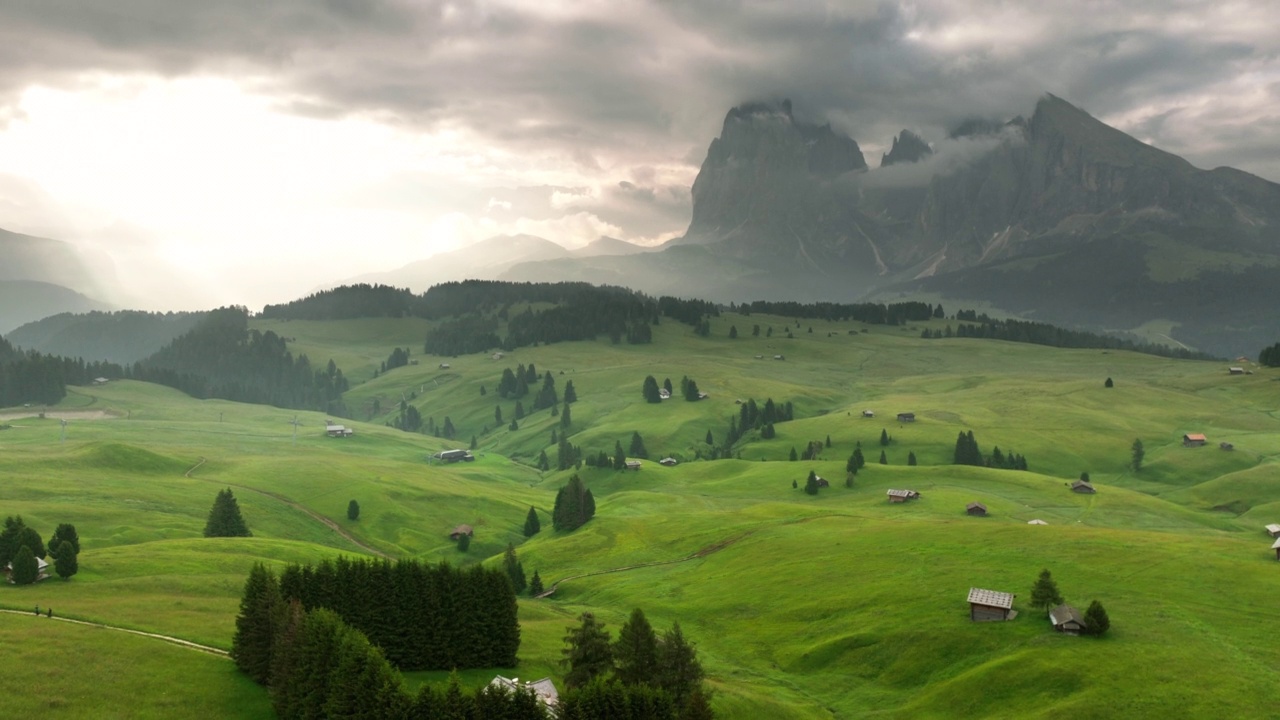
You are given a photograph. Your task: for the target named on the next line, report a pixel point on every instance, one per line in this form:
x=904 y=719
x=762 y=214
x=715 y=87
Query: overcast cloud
x=325 y=139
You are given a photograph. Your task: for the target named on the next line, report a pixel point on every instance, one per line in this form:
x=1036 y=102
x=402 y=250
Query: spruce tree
x=619 y=457
x=9 y=538
x=883 y=459
x=353 y=510
x=636 y=651
x=464 y=542
x=515 y=571
x=225 y=519
x=25 y=568
x=1108 y=383
x=1044 y=593
x=679 y=671
x=811 y=485
x=497 y=415
x=911 y=458
x=565 y=419
x=650 y=390
x=793 y=456
x=709 y=439
x=588 y=654
x=544 y=463
x=1138 y=453
x=570 y=395
x=67 y=532
x=261 y=613
x=514 y=425
x=1096 y=621
x=535 y=585
x=884 y=437
x=65 y=562
x=473 y=442
x=859 y=460
x=532 y=526
x=29 y=537
x=637 y=446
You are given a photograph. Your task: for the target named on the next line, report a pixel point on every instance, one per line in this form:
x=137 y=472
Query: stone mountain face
x=908 y=147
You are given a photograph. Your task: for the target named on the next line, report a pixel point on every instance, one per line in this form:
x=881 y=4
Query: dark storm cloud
x=621 y=84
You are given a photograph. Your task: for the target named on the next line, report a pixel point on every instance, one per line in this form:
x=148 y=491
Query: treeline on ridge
x=32 y=377
x=222 y=358
x=1037 y=333
x=869 y=313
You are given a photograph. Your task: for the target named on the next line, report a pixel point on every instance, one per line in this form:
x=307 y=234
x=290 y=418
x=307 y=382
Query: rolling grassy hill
x=838 y=605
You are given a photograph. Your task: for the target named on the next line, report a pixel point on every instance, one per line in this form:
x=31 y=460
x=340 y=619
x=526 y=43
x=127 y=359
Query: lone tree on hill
x=570 y=395
x=911 y=458
x=353 y=510
x=884 y=460
x=884 y=437
x=64 y=560
x=679 y=671
x=535 y=585
x=1108 y=383
x=652 y=394
x=793 y=456
x=514 y=569
x=1096 y=621
x=532 y=525
x=25 y=568
x=1138 y=454
x=637 y=446
x=225 y=519
x=1044 y=593
x=565 y=419
x=811 y=485
x=588 y=653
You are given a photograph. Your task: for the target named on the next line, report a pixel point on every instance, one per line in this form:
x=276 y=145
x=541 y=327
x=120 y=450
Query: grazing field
x=839 y=605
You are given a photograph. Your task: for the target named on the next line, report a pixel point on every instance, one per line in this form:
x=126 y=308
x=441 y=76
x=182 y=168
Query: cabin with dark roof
x=1194 y=440
x=668 y=461
x=1236 y=370
x=990 y=605
x=868 y=413
x=898 y=496
x=1226 y=446
x=1083 y=486
x=1067 y=619
x=976 y=509
x=906 y=417
x=822 y=482
x=633 y=464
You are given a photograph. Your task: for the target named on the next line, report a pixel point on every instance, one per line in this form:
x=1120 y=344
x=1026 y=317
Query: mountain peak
x=908 y=147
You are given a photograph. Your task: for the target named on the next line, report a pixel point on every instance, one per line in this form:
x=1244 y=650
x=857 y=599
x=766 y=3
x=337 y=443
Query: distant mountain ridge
x=41 y=277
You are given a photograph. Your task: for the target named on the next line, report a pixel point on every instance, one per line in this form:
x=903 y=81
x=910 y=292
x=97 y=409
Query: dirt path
x=167 y=638
x=60 y=415
x=314 y=515
x=717 y=547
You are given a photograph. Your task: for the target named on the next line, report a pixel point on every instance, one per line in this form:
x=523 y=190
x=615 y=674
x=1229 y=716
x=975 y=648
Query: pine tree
x=883 y=459
x=710 y=440
x=884 y=437
x=532 y=526
x=1108 y=383
x=1084 y=476
x=733 y=332
x=519 y=410
x=515 y=571
x=828 y=441
x=911 y=458
x=588 y=653
x=544 y=463
x=9 y=538
x=637 y=447
x=860 y=461
x=448 y=431
x=1138 y=454
x=514 y=425
x=793 y=456
x=565 y=419
x=353 y=510
x=65 y=532
x=619 y=457
x=650 y=390
x=679 y=671
x=225 y=519
x=464 y=542
x=690 y=389
x=473 y=442
x=65 y=562
x=535 y=585
x=29 y=537
x=570 y=395
x=811 y=485
x=497 y=415
x=636 y=651
x=261 y=613
x=1044 y=593
x=25 y=568
x=1096 y=621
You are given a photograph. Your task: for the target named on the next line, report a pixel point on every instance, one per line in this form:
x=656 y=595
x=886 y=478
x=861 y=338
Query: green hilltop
x=839 y=605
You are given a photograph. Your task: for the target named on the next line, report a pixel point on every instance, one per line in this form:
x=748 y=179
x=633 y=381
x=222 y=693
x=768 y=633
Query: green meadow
x=839 y=605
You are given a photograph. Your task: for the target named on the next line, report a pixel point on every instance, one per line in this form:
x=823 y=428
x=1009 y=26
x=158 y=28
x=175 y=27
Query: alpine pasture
x=839 y=605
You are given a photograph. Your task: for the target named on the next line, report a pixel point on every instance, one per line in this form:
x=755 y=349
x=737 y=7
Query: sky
x=239 y=151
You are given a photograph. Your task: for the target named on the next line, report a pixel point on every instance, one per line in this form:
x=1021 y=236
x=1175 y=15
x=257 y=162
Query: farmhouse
x=868 y=413
x=543 y=689
x=333 y=429
x=976 y=508
x=461 y=530
x=668 y=461
x=42 y=570
x=906 y=417
x=633 y=464
x=1236 y=370
x=1193 y=440
x=454 y=455
x=990 y=605
x=1273 y=530
x=1067 y=619
x=898 y=496
x=1083 y=486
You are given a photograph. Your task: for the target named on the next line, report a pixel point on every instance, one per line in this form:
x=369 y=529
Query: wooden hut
x=1067 y=619
x=1083 y=486
x=1273 y=530
x=1276 y=546
x=898 y=496
x=633 y=464
x=668 y=461
x=461 y=530
x=906 y=417
x=1194 y=440
x=976 y=508
x=822 y=482
x=990 y=605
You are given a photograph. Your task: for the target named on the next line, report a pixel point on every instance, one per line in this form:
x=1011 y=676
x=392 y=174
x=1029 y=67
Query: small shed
x=668 y=461
x=1236 y=370
x=633 y=464
x=1067 y=619
x=461 y=530
x=1083 y=486
x=334 y=430
x=1037 y=521
x=544 y=689
x=455 y=455
x=664 y=394
x=822 y=482
x=779 y=357
x=1276 y=546
x=496 y=356
x=1194 y=440
x=42 y=570
x=976 y=508
x=990 y=605
x=1226 y=446
x=1273 y=530
x=868 y=413
x=898 y=496
x=444 y=366
x=703 y=396
x=906 y=417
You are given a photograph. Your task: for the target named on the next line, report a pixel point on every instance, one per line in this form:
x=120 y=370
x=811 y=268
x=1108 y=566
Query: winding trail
x=717 y=547
x=314 y=515
x=166 y=638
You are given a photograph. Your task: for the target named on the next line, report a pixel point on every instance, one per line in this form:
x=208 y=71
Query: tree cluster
x=642 y=675
x=21 y=545
x=1270 y=356
x=222 y=358
x=1046 y=596
x=752 y=416
x=689 y=312
x=869 y=313
x=967 y=452
x=32 y=377
x=225 y=519
x=317 y=665
x=1038 y=333
x=574 y=506
x=398 y=358
x=424 y=617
